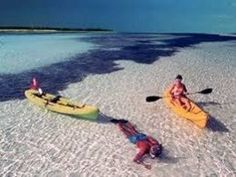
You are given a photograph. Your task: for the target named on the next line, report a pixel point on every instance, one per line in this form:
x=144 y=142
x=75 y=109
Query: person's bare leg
x=131 y=128
x=186 y=103
x=178 y=101
x=125 y=130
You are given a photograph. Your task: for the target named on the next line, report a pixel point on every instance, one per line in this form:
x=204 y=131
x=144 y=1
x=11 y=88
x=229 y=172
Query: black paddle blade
x=153 y=98
x=206 y=91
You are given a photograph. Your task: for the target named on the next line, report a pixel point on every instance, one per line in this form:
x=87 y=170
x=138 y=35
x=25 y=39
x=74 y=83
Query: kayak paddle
x=155 y=98
x=205 y=91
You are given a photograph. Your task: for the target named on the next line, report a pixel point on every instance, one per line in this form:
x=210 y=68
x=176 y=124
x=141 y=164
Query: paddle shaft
x=155 y=98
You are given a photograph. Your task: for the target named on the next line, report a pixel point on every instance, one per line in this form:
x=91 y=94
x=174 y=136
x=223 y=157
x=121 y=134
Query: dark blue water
x=140 y=48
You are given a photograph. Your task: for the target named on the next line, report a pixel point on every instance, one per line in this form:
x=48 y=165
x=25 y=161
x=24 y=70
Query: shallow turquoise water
x=24 y=52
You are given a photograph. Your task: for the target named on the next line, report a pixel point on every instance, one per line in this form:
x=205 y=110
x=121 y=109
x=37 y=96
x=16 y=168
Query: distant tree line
x=52 y=28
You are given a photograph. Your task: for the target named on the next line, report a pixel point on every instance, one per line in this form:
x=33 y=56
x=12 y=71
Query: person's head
x=155 y=150
x=178 y=79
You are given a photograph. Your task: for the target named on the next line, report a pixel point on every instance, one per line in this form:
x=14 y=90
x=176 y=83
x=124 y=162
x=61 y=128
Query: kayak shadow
x=208 y=103
x=103 y=119
x=213 y=103
x=215 y=125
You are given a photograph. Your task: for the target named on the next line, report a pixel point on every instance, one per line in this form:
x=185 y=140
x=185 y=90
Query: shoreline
x=26 y=30
x=57 y=29
x=52 y=30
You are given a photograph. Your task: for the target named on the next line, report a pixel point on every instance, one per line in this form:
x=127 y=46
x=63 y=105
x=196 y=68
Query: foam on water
x=34 y=141
x=19 y=53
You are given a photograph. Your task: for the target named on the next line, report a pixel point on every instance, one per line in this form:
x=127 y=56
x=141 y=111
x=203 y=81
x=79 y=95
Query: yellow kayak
x=196 y=114
x=62 y=105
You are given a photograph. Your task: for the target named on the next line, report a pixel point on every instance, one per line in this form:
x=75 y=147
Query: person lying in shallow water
x=147 y=145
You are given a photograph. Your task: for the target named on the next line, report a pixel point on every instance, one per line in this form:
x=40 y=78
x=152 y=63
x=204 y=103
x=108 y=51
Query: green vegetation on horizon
x=50 y=28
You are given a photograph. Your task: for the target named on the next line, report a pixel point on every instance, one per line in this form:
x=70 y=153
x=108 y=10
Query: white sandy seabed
x=35 y=142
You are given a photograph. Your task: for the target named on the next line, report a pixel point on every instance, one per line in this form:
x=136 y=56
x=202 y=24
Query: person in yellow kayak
x=178 y=91
x=35 y=86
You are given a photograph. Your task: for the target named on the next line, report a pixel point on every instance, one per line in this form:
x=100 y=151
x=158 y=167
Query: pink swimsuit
x=178 y=91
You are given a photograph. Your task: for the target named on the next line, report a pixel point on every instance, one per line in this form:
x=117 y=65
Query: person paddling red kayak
x=147 y=145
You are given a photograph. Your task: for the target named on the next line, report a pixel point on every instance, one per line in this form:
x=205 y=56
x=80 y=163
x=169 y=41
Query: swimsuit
x=137 y=137
x=178 y=92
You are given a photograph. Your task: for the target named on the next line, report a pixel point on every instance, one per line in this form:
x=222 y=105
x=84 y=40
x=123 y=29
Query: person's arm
x=172 y=88
x=152 y=140
x=185 y=89
x=124 y=130
x=147 y=166
x=138 y=159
